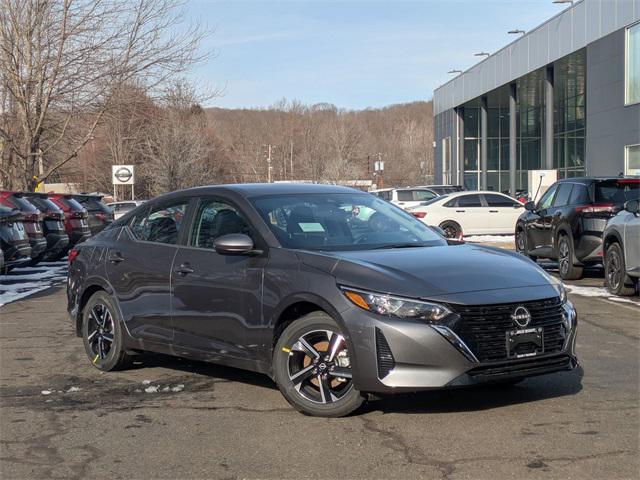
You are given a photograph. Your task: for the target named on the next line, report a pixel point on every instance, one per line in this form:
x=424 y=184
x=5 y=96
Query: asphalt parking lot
x=169 y=418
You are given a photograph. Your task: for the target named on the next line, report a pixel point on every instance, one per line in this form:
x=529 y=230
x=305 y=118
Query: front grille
x=484 y=327
x=386 y=363
x=522 y=368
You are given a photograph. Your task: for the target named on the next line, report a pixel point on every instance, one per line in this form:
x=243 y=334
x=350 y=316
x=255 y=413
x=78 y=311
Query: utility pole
x=291 y=159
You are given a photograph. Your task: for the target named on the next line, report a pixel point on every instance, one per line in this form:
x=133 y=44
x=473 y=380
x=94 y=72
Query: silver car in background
x=621 y=243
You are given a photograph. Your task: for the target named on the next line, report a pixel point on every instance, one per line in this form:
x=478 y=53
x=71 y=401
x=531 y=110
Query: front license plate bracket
x=523 y=343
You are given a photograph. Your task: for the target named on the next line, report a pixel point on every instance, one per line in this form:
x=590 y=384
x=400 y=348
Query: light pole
x=516 y=31
x=454 y=71
x=482 y=54
x=563 y=1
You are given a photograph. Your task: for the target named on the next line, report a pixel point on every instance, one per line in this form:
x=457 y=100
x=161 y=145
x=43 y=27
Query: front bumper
x=425 y=357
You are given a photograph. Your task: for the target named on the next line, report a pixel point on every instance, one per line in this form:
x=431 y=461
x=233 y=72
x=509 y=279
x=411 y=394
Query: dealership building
x=563 y=97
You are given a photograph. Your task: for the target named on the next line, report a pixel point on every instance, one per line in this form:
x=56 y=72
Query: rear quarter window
x=579 y=195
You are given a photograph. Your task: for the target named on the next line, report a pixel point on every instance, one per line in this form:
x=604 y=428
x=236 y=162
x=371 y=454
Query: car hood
x=432 y=272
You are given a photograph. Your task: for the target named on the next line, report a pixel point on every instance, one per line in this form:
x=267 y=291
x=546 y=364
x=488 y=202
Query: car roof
x=260 y=189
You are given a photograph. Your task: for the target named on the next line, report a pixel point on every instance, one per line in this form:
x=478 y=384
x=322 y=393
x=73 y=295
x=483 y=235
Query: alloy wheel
x=450 y=232
x=101 y=332
x=614 y=270
x=319 y=366
x=520 y=242
x=564 y=257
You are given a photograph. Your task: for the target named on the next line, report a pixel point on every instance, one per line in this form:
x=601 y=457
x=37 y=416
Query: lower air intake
x=386 y=363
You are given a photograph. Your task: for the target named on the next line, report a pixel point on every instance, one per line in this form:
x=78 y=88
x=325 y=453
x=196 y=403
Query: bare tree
x=179 y=150
x=59 y=63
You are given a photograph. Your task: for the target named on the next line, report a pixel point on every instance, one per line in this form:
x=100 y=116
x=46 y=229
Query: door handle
x=493 y=211
x=115 y=257
x=460 y=211
x=184 y=269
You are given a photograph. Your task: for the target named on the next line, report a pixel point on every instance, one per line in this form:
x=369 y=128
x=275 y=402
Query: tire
x=102 y=334
x=566 y=256
x=615 y=276
x=522 y=244
x=451 y=229
x=298 y=369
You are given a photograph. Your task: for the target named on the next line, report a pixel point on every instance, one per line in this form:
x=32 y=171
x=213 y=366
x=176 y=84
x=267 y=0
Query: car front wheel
x=312 y=367
x=615 y=273
x=521 y=243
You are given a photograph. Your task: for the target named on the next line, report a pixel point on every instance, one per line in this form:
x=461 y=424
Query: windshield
x=342 y=221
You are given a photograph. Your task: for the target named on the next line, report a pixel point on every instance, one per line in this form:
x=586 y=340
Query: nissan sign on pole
x=122 y=174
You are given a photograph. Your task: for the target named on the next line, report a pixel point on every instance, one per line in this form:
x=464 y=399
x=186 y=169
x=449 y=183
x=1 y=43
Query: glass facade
x=472 y=145
x=498 y=140
x=632 y=65
x=569 y=111
x=529 y=126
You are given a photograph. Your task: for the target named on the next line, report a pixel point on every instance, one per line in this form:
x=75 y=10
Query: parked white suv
x=406 y=197
x=471 y=213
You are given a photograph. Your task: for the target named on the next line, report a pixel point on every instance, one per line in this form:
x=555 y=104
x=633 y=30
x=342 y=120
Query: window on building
x=632 y=160
x=632 y=65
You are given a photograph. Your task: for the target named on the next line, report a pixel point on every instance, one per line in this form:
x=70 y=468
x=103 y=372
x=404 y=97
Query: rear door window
x=579 y=195
x=563 y=195
x=162 y=224
x=469 y=201
x=495 y=200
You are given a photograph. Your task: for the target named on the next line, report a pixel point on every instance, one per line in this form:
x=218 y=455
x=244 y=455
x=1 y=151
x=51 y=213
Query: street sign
x=122 y=174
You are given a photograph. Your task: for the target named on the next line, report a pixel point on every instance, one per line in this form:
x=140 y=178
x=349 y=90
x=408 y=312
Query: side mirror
x=233 y=244
x=632 y=206
x=530 y=206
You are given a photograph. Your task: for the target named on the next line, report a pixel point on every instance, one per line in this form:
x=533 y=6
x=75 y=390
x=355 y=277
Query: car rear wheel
x=312 y=368
x=566 y=267
x=102 y=334
x=451 y=229
x=615 y=272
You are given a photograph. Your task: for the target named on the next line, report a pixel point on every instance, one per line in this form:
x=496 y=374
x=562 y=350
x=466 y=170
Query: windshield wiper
x=399 y=245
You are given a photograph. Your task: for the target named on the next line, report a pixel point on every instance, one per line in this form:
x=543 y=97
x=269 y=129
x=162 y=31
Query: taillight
x=419 y=214
x=597 y=208
x=73 y=253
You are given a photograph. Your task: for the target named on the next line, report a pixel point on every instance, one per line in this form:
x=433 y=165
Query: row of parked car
x=36 y=227
x=580 y=222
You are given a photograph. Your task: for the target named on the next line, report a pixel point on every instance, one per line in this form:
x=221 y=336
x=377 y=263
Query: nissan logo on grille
x=521 y=317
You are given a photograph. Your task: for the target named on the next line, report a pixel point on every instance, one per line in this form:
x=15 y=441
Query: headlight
x=396 y=306
x=562 y=292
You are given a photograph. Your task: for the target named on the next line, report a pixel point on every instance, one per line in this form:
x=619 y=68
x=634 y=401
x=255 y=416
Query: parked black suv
x=100 y=214
x=52 y=226
x=567 y=222
x=13 y=239
x=330 y=291
x=32 y=221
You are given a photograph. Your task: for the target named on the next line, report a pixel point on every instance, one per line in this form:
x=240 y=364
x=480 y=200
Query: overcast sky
x=352 y=53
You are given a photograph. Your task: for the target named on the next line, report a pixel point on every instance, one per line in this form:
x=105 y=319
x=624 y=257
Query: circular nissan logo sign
x=123 y=174
x=521 y=317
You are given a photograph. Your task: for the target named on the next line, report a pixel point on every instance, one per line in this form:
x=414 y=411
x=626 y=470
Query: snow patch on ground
x=597 y=292
x=489 y=238
x=25 y=281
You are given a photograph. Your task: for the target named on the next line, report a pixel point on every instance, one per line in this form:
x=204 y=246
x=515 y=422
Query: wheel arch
x=611 y=238
x=93 y=285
